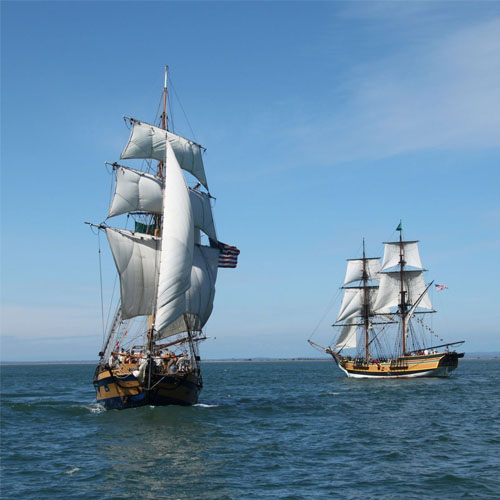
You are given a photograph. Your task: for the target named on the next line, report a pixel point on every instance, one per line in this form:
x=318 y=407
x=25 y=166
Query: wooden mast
x=365 y=303
x=158 y=232
x=402 y=291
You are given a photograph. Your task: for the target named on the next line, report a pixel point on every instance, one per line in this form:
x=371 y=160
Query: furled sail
x=139 y=191
x=136 y=260
x=347 y=337
x=392 y=251
x=390 y=286
x=177 y=246
x=148 y=141
x=354 y=271
x=200 y=296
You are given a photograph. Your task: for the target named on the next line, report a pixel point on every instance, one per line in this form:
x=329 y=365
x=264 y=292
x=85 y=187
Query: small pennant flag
x=228 y=256
x=400 y=226
x=440 y=287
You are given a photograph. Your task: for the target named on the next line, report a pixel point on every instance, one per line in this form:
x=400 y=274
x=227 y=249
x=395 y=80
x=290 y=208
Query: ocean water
x=262 y=430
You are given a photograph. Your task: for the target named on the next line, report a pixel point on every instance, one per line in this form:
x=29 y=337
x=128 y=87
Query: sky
x=324 y=123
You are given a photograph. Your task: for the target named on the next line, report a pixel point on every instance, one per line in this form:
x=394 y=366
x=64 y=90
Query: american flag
x=228 y=256
x=440 y=287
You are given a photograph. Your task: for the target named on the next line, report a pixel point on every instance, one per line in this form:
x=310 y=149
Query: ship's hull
x=425 y=365
x=118 y=391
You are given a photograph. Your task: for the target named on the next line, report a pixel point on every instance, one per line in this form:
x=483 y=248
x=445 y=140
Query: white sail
x=188 y=155
x=351 y=304
x=177 y=246
x=390 y=286
x=200 y=296
x=411 y=255
x=148 y=141
x=136 y=191
x=347 y=337
x=136 y=260
x=202 y=213
x=354 y=271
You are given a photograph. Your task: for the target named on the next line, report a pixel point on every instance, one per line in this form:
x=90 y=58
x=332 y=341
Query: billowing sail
x=352 y=304
x=390 y=286
x=136 y=260
x=148 y=141
x=354 y=271
x=392 y=251
x=347 y=337
x=177 y=246
x=200 y=296
x=138 y=191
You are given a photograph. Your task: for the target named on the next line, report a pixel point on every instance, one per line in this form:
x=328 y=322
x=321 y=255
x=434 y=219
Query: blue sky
x=324 y=122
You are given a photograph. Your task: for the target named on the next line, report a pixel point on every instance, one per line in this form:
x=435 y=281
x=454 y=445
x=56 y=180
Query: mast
x=158 y=222
x=402 y=305
x=365 y=304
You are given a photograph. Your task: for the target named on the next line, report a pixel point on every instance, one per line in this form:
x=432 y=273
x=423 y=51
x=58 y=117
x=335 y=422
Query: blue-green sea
x=262 y=430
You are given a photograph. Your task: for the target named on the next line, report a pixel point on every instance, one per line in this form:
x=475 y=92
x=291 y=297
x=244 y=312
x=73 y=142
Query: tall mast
x=365 y=303
x=402 y=291
x=158 y=221
x=164 y=118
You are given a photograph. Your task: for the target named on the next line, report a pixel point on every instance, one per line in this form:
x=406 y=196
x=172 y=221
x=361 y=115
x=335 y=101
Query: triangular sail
x=149 y=142
x=347 y=337
x=177 y=246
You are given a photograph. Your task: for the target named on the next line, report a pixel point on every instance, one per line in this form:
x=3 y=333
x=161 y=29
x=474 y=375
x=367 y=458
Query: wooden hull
x=425 y=365
x=117 y=390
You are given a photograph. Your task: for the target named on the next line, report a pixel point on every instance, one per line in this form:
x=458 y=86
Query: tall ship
x=382 y=325
x=167 y=264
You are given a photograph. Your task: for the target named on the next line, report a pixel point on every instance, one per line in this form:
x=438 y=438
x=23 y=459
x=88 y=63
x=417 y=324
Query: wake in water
x=95 y=408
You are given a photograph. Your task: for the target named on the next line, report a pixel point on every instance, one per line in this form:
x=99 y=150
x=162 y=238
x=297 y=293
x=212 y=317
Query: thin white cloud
x=441 y=93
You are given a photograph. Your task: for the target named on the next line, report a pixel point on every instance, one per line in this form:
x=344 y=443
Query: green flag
x=400 y=226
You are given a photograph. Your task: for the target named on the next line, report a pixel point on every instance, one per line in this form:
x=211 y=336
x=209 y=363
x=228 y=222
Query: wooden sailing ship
x=150 y=355
x=381 y=319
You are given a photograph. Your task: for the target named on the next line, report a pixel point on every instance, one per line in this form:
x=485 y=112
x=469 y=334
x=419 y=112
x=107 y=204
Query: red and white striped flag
x=228 y=256
x=440 y=287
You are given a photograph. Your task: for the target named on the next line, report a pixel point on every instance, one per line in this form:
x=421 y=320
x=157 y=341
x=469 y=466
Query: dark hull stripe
x=399 y=373
x=130 y=378
x=168 y=391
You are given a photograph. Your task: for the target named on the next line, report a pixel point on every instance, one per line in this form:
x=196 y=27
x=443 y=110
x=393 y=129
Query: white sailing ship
x=383 y=333
x=150 y=355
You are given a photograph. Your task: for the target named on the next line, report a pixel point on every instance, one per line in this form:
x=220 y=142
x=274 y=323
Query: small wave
x=72 y=471
x=202 y=405
x=95 y=408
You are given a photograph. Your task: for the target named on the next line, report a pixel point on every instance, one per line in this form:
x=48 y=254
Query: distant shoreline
x=472 y=357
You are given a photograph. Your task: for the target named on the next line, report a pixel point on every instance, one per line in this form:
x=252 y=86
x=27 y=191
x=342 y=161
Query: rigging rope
x=329 y=308
x=100 y=279
x=180 y=104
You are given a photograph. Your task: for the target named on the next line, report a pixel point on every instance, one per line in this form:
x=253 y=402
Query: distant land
x=470 y=355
